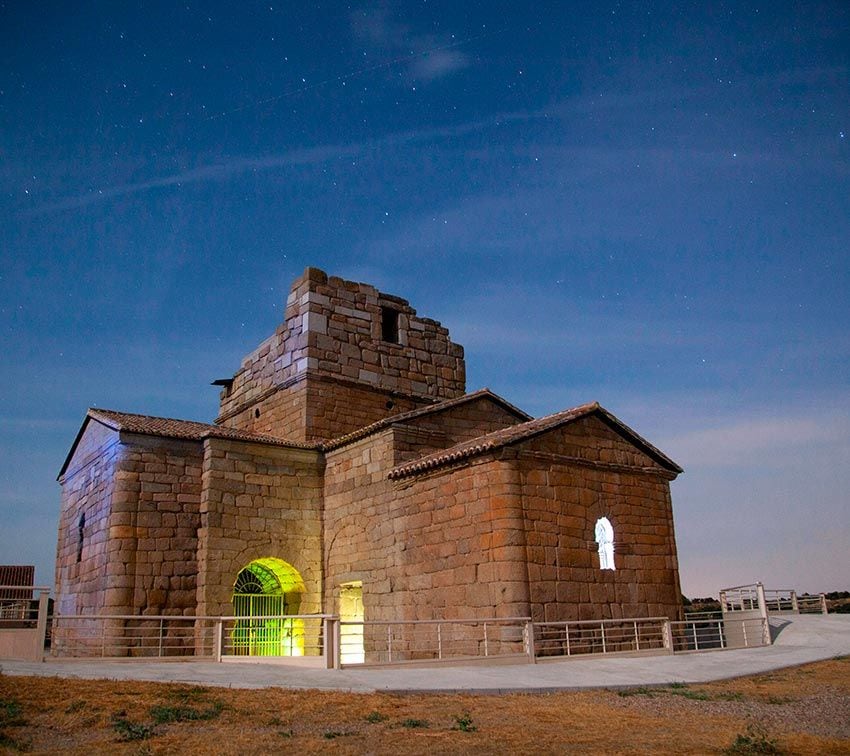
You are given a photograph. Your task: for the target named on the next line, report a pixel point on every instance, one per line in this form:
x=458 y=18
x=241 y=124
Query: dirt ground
x=800 y=710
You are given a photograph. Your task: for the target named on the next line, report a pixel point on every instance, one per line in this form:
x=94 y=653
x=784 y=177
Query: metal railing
x=18 y=613
x=712 y=635
x=134 y=636
x=741 y=598
x=158 y=636
x=275 y=635
x=327 y=641
x=780 y=600
x=393 y=642
x=600 y=636
x=755 y=597
x=812 y=604
x=697 y=635
x=701 y=616
x=23 y=621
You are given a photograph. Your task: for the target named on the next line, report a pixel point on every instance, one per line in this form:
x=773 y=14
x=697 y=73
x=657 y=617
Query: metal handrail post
x=440 y=642
x=602 y=628
x=667 y=636
x=337 y=622
x=529 y=641
x=330 y=642
x=761 y=599
x=218 y=636
x=389 y=643
x=41 y=626
x=637 y=638
x=486 y=642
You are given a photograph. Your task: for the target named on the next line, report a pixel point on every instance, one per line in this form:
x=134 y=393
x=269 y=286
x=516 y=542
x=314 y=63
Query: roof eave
x=88 y=418
x=412 y=469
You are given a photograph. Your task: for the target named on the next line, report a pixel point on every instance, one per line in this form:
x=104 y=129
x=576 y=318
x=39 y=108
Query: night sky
x=643 y=204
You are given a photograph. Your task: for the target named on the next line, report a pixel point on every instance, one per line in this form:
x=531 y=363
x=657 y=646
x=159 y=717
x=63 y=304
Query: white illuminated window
x=605 y=539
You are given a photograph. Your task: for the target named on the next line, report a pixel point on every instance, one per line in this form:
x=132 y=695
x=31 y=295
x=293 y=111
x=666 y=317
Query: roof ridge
x=515 y=433
x=368 y=430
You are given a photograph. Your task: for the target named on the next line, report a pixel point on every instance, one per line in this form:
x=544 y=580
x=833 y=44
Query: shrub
x=754 y=741
x=10 y=713
x=626 y=692
x=128 y=731
x=167 y=714
x=414 y=723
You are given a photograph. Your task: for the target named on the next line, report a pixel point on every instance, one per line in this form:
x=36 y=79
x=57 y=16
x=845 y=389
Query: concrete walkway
x=801 y=639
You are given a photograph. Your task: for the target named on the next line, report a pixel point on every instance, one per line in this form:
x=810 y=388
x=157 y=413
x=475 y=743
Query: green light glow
x=268 y=586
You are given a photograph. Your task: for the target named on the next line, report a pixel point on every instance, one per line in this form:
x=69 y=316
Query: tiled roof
x=516 y=433
x=421 y=412
x=186 y=429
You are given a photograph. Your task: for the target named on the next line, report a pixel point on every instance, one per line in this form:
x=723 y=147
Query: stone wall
x=153 y=528
x=464 y=546
x=363 y=540
x=427 y=548
x=431 y=432
x=570 y=478
x=258 y=501
x=333 y=329
x=140 y=497
x=81 y=557
x=507 y=534
x=335 y=407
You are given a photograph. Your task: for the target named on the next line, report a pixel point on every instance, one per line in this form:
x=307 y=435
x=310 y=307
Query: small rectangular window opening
x=389 y=325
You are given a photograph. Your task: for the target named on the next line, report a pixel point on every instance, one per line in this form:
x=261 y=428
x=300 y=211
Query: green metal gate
x=261 y=592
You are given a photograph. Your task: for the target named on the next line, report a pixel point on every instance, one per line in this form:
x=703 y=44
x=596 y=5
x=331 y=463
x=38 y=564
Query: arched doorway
x=263 y=593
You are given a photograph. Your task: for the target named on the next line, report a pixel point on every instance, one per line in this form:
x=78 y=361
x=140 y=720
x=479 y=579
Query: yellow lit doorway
x=351 y=610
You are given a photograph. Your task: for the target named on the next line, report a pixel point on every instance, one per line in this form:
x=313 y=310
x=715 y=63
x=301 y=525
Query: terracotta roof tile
x=186 y=429
x=516 y=433
x=421 y=412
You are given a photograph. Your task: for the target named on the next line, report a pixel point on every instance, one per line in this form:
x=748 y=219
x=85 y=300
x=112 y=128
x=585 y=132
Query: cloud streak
x=435 y=62
x=429 y=57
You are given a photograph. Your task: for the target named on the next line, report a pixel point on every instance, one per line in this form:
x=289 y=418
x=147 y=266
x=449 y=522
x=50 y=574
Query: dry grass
x=803 y=710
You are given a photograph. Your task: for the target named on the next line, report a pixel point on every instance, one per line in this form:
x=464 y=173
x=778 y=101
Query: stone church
x=348 y=471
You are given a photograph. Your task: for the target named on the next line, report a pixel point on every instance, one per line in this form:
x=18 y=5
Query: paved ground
x=800 y=639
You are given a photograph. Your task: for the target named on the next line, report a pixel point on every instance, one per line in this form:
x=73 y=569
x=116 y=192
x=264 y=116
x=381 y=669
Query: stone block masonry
x=349 y=464
x=258 y=501
x=330 y=368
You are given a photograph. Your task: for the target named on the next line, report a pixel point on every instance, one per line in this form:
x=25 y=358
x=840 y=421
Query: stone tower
x=346 y=355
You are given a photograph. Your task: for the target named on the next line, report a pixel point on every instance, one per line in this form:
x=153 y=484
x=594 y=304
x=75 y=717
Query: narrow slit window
x=81 y=526
x=389 y=325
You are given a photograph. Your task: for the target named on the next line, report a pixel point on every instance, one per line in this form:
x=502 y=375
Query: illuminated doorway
x=265 y=591
x=351 y=649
